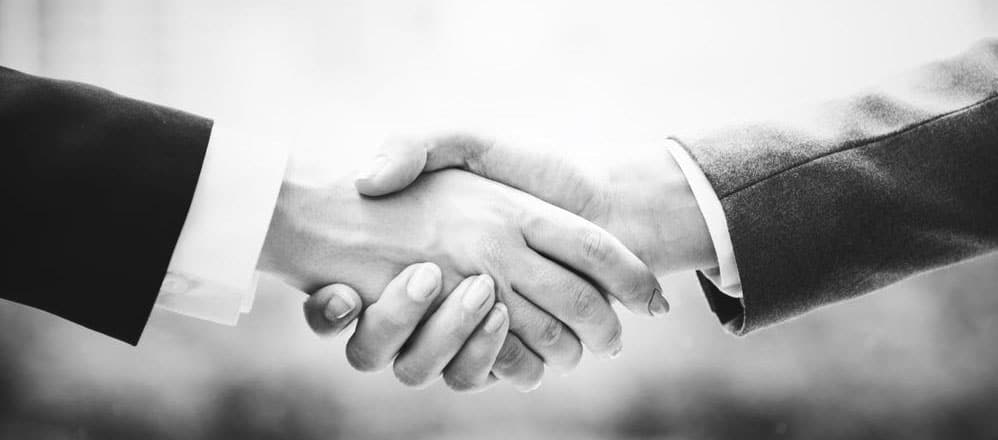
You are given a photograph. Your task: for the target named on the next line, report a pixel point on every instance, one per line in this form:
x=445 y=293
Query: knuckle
x=635 y=289
x=567 y=357
x=530 y=378
x=573 y=348
x=612 y=339
x=473 y=150
x=476 y=350
x=595 y=247
x=642 y=291
x=592 y=201
x=574 y=358
x=585 y=301
x=410 y=375
x=460 y=382
x=550 y=331
x=511 y=355
x=533 y=221
x=387 y=323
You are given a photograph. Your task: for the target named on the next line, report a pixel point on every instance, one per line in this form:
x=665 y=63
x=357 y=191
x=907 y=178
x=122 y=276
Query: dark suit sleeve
x=96 y=188
x=840 y=200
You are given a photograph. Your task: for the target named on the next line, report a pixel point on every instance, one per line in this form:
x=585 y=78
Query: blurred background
x=332 y=79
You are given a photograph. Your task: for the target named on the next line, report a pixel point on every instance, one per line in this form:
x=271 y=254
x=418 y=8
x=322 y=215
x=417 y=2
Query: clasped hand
x=482 y=277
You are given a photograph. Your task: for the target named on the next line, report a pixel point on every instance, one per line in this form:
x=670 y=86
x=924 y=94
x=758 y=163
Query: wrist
x=308 y=235
x=277 y=245
x=683 y=233
x=330 y=234
x=662 y=219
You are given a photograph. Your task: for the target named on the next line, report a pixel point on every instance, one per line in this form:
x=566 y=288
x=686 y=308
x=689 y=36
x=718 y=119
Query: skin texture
x=459 y=341
x=466 y=225
x=639 y=194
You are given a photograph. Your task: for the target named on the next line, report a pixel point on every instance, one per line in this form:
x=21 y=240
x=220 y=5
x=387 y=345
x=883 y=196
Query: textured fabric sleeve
x=724 y=274
x=842 y=199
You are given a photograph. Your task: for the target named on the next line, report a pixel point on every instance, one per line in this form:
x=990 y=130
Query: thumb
x=331 y=309
x=401 y=161
x=552 y=178
x=396 y=166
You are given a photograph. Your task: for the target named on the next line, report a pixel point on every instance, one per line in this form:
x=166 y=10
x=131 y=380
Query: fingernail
x=658 y=305
x=476 y=295
x=374 y=168
x=528 y=388
x=616 y=344
x=423 y=284
x=613 y=354
x=496 y=319
x=616 y=352
x=338 y=307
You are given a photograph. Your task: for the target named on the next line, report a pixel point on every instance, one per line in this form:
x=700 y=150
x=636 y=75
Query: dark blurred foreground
x=915 y=361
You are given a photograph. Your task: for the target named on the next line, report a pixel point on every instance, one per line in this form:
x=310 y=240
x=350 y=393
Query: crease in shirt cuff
x=220 y=243
x=201 y=299
x=725 y=275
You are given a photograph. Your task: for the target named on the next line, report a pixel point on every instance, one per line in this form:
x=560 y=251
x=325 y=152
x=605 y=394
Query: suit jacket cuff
x=724 y=275
x=840 y=199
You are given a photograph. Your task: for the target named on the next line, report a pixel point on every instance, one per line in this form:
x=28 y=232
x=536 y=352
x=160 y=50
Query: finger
x=470 y=370
x=398 y=164
x=331 y=309
x=401 y=161
x=445 y=332
x=597 y=255
x=542 y=333
x=517 y=365
x=572 y=300
x=385 y=326
x=587 y=248
x=501 y=162
x=481 y=155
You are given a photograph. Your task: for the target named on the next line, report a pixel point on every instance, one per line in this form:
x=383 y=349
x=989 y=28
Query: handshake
x=479 y=260
x=472 y=259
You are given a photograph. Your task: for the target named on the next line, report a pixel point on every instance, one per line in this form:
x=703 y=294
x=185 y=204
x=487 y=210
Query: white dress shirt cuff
x=725 y=274
x=212 y=274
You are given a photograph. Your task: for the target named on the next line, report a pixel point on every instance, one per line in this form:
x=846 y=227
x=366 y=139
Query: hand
x=461 y=340
x=639 y=195
x=467 y=225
